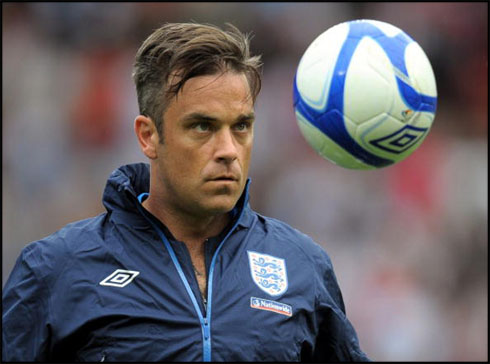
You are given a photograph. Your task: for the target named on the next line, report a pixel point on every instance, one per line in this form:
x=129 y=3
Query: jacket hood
x=127 y=182
x=124 y=185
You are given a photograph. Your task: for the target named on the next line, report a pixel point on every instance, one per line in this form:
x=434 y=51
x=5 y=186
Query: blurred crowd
x=408 y=242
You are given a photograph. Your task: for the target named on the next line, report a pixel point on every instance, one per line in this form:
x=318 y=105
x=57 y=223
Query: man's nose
x=226 y=147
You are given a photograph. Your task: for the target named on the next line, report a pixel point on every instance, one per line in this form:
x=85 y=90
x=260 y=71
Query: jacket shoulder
x=49 y=255
x=292 y=238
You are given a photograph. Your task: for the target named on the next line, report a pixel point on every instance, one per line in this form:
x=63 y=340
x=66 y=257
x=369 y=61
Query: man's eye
x=243 y=126
x=202 y=126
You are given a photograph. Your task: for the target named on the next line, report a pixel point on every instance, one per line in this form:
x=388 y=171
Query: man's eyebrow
x=247 y=117
x=197 y=116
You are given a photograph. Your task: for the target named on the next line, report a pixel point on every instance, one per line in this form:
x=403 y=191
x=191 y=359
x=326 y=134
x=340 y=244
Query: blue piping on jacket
x=205 y=321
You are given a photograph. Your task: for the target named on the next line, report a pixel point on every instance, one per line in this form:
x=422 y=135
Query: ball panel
x=420 y=70
x=351 y=128
x=422 y=120
x=326 y=147
x=368 y=85
x=317 y=64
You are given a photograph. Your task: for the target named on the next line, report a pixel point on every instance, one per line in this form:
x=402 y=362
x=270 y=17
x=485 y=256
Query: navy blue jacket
x=119 y=287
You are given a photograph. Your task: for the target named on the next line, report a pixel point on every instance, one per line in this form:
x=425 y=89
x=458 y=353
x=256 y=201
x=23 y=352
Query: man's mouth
x=225 y=178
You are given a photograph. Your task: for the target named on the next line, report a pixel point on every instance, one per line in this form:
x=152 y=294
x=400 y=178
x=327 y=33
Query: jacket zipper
x=207 y=340
x=205 y=321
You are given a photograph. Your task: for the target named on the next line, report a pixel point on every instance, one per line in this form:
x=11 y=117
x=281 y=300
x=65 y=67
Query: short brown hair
x=192 y=50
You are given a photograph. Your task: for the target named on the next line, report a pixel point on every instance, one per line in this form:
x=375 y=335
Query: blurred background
x=408 y=242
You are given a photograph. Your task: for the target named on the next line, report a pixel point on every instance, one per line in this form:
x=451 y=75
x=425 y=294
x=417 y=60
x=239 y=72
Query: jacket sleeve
x=337 y=339
x=25 y=329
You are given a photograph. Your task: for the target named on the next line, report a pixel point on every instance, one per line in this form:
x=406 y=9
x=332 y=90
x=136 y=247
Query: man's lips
x=224 y=177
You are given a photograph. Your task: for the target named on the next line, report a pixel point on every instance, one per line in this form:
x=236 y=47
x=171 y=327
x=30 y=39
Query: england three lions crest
x=268 y=272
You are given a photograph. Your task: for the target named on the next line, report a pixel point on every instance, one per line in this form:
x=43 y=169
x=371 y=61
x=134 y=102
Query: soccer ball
x=364 y=94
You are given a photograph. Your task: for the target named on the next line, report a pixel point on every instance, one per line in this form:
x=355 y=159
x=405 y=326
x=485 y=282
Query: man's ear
x=147 y=135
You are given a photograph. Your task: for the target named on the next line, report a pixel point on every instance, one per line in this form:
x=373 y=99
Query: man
x=180 y=268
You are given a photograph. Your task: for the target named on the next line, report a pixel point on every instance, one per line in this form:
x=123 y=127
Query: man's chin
x=221 y=204
x=221 y=198
x=220 y=208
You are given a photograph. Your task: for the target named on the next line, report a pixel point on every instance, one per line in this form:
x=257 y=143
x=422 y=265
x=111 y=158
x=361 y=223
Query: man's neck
x=186 y=227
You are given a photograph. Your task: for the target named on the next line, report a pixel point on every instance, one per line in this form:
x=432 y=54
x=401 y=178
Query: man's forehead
x=215 y=88
x=204 y=81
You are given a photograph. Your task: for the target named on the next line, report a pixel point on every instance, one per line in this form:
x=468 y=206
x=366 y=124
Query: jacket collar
x=127 y=182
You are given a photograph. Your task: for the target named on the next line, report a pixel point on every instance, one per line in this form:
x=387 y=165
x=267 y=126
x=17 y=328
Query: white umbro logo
x=119 y=278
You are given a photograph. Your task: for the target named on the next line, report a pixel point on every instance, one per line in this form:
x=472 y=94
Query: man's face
x=202 y=165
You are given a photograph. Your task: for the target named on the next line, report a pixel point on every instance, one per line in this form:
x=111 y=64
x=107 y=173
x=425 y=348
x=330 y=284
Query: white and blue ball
x=364 y=94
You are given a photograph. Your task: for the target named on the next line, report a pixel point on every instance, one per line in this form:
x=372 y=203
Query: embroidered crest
x=268 y=272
